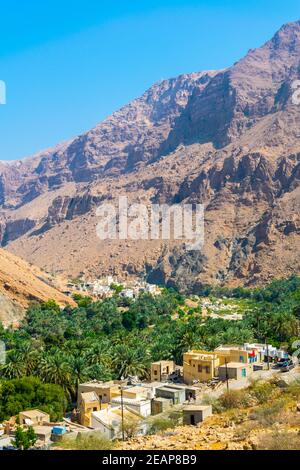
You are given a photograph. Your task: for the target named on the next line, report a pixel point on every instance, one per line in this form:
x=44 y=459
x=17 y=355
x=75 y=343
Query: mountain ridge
x=228 y=139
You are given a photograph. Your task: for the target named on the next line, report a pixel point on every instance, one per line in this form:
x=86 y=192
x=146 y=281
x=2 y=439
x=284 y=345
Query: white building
x=127 y=293
x=109 y=421
x=141 y=407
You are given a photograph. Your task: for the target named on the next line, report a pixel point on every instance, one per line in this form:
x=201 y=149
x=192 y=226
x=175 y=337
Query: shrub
x=234 y=399
x=293 y=389
x=161 y=424
x=87 y=442
x=263 y=391
x=268 y=414
x=279 y=441
x=24 y=440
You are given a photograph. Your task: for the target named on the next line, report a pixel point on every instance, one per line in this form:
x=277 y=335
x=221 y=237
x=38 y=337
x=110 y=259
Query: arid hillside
x=228 y=139
x=20 y=284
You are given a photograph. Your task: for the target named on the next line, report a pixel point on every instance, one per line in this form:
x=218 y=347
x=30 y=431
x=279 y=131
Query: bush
x=87 y=442
x=268 y=414
x=279 y=441
x=161 y=424
x=234 y=399
x=24 y=440
x=263 y=391
x=293 y=389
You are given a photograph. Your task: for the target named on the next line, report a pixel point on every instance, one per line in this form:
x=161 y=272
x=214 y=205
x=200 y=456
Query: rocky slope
x=227 y=139
x=20 y=284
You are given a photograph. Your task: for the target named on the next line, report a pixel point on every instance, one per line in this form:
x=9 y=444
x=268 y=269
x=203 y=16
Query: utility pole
x=227 y=378
x=268 y=360
x=122 y=414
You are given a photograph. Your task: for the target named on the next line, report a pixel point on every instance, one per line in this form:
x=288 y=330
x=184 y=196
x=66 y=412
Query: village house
x=200 y=366
x=109 y=421
x=176 y=395
x=160 y=404
x=136 y=393
x=191 y=392
x=141 y=406
x=232 y=354
x=89 y=402
x=105 y=390
x=235 y=370
x=33 y=418
x=151 y=388
x=161 y=370
x=194 y=414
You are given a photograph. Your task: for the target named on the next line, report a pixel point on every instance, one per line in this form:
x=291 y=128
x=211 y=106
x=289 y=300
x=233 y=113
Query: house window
x=95 y=408
x=155 y=372
x=199 y=368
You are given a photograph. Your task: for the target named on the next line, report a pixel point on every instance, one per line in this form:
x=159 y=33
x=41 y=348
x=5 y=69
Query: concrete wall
x=194 y=416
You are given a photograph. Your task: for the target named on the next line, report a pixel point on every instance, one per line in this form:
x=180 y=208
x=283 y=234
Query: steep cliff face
x=227 y=139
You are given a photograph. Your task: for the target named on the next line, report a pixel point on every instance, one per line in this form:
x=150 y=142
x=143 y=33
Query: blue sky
x=69 y=64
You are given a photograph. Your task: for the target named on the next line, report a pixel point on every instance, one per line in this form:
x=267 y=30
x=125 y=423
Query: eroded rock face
x=227 y=139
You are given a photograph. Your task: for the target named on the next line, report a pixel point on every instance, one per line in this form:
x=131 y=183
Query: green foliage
x=29 y=393
x=87 y=442
x=24 y=439
x=118 y=337
x=118 y=288
x=51 y=306
x=160 y=424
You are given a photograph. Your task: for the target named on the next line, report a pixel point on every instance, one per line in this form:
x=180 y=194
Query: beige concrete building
x=136 y=393
x=161 y=370
x=200 y=366
x=34 y=417
x=105 y=390
x=232 y=354
x=89 y=402
x=235 y=370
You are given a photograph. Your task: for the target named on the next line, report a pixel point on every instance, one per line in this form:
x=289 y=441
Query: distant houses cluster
x=106 y=287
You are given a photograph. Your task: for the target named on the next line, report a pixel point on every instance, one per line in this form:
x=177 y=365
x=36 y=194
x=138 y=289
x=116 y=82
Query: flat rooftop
x=196 y=407
x=234 y=365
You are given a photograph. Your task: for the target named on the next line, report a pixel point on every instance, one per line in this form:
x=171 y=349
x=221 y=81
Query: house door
x=193 y=420
x=243 y=372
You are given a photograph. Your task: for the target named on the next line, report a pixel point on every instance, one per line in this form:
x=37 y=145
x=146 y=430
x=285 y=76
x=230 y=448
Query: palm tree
x=285 y=325
x=14 y=367
x=80 y=370
x=131 y=361
x=28 y=355
x=100 y=353
x=54 y=368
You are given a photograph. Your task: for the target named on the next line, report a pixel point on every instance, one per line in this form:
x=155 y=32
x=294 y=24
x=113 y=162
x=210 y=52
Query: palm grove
x=54 y=350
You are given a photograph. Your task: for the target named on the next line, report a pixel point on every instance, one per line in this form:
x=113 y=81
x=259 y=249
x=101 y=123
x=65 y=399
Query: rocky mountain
x=21 y=284
x=228 y=139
